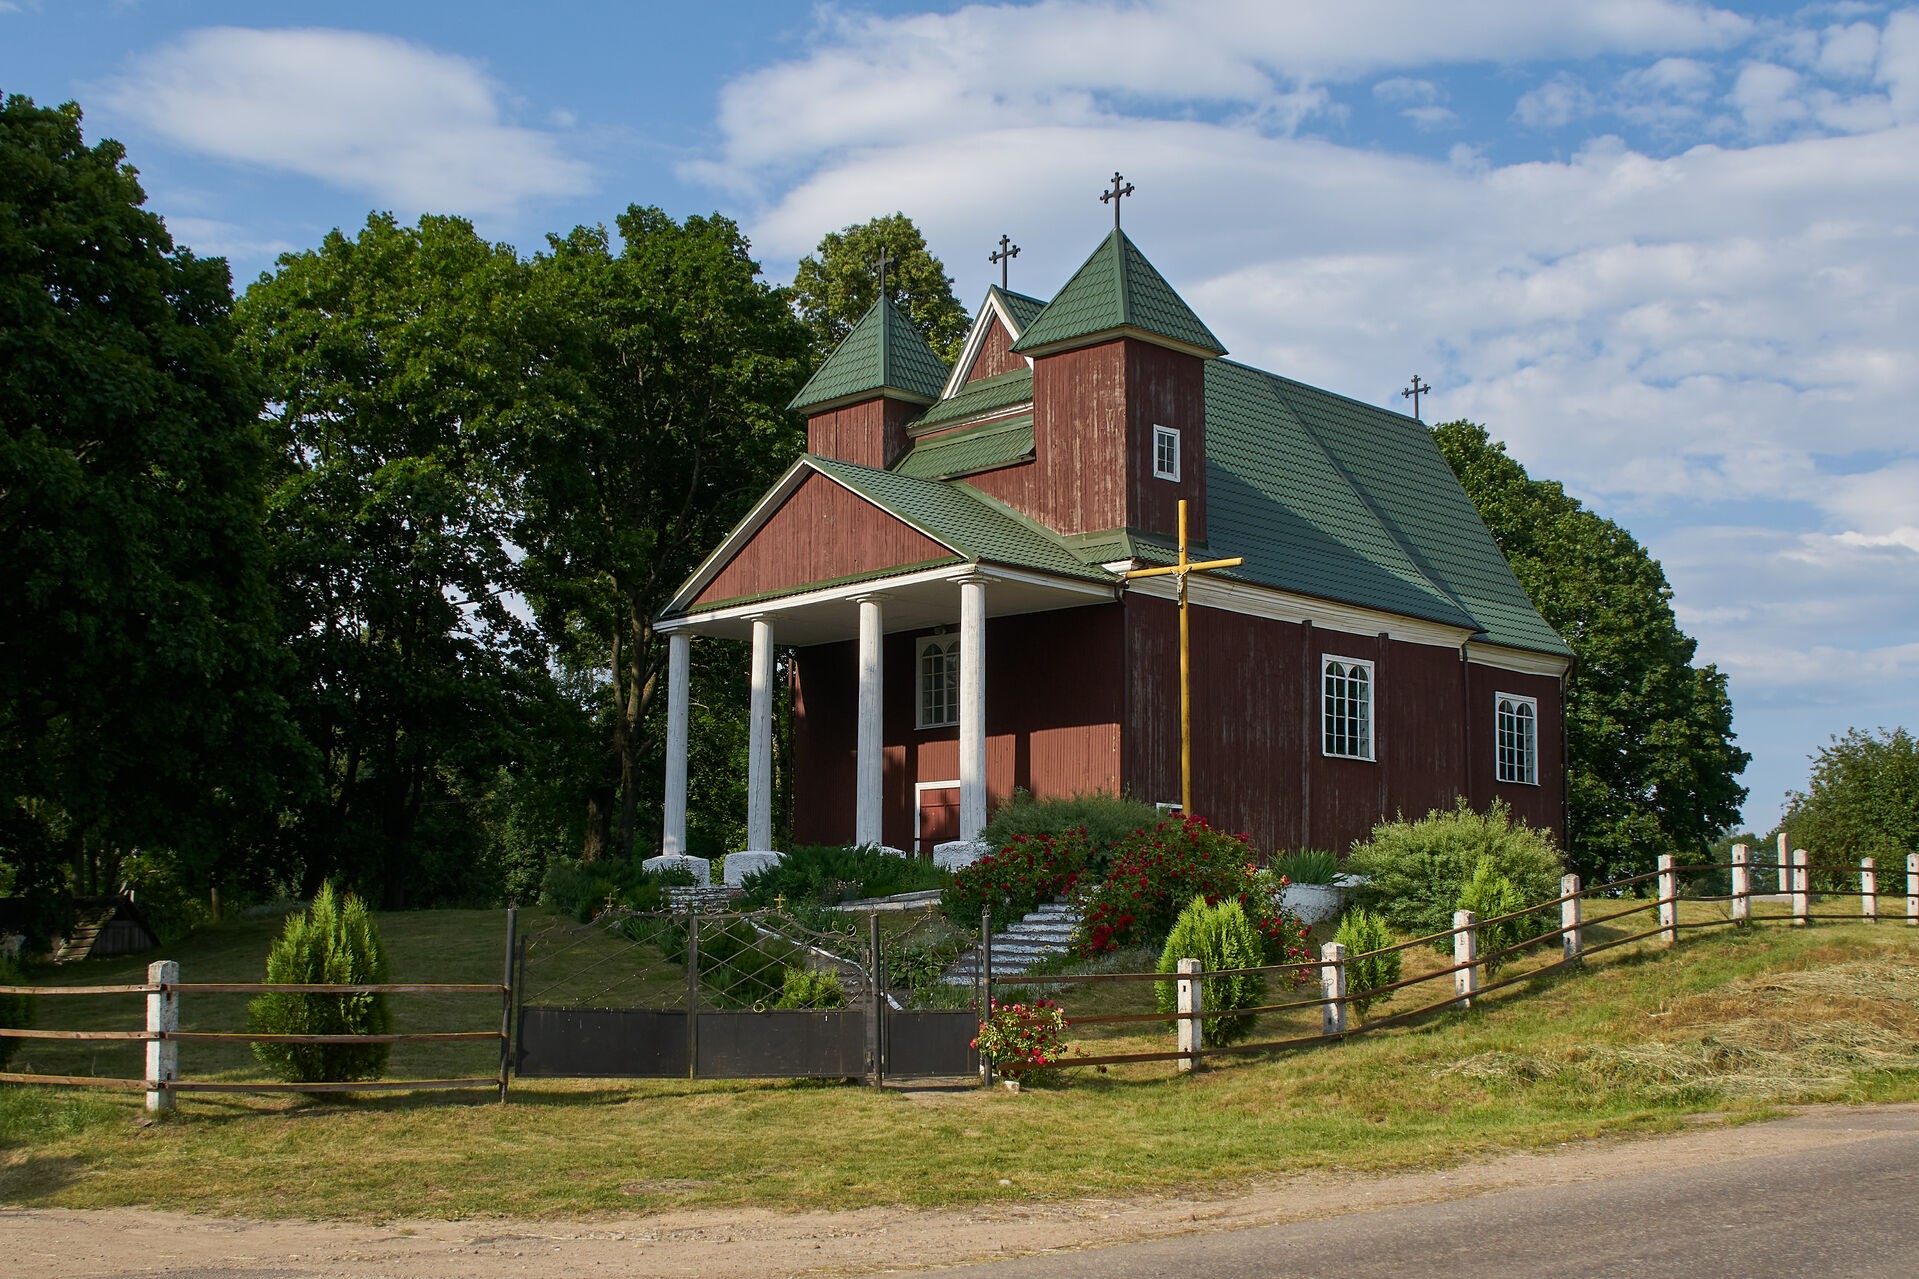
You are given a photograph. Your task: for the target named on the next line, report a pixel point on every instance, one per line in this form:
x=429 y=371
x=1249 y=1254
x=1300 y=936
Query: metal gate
x=708 y=995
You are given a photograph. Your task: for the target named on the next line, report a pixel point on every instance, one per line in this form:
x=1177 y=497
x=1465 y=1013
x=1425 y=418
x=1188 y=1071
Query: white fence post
x=1869 y=890
x=1801 y=888
x=1332 y=987
x=1912 y=888
x=1572 y=942
x=163 y=1017
x=1465 y=956
x=1741 y=883
x=1785 y=862
x=1668 y=902
x=1192 y=1039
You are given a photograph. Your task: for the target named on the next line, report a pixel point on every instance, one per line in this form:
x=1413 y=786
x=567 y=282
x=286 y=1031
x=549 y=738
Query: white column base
x=748 y=862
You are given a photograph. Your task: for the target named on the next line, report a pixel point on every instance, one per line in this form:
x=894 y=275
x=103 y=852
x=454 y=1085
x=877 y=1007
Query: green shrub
x=1104 y=818
x=740 y=967
x=1307 y=866
x=1155 y=872
x=333 y=942
x=582 y=890
x=917 y=965
x=828 y=873
x=810 y=988
x=16 y=1011
x=1220 y=937
x=1417 y=869
x=1488 y=895
x=1362 y=932
x=1030 y=869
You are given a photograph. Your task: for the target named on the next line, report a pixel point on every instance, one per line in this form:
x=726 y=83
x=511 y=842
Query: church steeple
x=1117 y=293
x=880 y=377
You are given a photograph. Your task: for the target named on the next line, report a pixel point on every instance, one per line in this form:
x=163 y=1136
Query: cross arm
x=1196 y=566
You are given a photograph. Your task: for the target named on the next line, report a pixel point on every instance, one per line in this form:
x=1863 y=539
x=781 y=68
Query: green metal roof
x=1023 y=309
x=979 y=528
x=1332 y=498
x=969 y=450
x=1117 y=288
x=1001 y=391
x=884 y=352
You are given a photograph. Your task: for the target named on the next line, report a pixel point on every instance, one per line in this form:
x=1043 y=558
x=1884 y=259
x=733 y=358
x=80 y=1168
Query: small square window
x=1165 y=453
x=1517 y=739
x=938 y=701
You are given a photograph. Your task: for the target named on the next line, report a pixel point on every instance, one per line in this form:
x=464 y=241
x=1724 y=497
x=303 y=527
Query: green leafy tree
x=395 y=365
x=840 y=284
x=671 y=366
x=1861 y=800
x=1651 y=761
x=333 y=942
x=138 y=706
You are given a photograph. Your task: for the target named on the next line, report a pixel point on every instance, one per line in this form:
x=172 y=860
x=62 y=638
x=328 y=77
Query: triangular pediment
x=809 y=531
x=988 y=350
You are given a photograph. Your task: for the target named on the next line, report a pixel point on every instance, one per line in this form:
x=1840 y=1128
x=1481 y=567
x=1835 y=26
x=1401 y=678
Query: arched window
x=1346 y=707
x=939 y=681
x=1518 y=739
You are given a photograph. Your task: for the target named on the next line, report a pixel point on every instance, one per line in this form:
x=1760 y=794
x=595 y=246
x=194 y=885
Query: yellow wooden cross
x=1179 y=571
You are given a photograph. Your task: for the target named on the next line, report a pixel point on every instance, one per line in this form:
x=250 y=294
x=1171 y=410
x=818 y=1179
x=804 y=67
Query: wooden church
x=948 y=560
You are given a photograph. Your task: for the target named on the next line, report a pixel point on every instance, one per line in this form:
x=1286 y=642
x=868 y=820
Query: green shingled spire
x=883 y=353
x=1118 y=289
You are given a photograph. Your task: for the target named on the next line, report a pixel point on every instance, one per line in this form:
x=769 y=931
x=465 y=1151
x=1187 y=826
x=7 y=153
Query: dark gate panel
x=602 y=1043
x=929 y=1044
x=783 y=1044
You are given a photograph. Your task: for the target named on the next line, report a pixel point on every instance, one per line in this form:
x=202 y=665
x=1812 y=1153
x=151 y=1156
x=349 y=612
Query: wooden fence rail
x=1471 y=968
x=163 y=1036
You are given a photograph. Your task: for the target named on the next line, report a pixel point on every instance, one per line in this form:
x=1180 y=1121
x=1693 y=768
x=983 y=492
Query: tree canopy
x=839 y=285
x=138 y=660
x=1650 y=749
x=1861 y=800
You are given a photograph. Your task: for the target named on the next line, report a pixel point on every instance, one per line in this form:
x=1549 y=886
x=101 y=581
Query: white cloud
x=411 y=127
x=1405 y=90
x=1555 y=104
x=1851 y=50
x=210 y=237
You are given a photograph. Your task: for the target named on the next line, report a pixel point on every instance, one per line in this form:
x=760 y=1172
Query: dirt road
x=59 y=1244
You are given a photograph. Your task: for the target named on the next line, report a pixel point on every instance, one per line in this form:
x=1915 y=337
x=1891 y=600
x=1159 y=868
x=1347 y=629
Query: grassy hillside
x=1731 y=1023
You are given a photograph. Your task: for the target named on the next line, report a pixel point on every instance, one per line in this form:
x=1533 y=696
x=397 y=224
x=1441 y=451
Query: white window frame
x=948 y=645
x=1171 y=434
x=1369 y=746
x=1526 y=773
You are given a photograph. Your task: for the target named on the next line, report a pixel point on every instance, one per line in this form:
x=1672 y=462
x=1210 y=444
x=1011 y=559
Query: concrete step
x=1044 y=932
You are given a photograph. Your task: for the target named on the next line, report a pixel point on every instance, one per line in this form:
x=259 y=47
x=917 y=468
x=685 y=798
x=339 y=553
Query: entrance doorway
x=938 y=817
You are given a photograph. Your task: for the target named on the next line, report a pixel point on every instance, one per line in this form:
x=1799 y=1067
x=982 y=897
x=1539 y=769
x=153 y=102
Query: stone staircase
x=1046 y=931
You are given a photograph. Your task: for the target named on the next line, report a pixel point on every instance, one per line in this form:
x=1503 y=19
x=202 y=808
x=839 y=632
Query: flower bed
x=1013 y=880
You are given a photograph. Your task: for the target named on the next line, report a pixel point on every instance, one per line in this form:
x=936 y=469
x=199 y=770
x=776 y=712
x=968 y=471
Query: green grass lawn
x=1735 y=1023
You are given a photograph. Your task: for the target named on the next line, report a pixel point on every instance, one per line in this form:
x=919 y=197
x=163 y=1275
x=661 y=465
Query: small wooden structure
x=104 y=927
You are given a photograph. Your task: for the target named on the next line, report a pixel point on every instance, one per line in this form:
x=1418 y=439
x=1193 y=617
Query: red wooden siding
x=1165 y=388
x=872 y=433
x=1052 y=720
x=822 y=531
x=1257 y=760
x=995 y=354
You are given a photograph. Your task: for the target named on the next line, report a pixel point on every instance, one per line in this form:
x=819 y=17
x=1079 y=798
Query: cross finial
x=882 y=268
x=1115 y=194
x=1007 y=252
x=1413 y=393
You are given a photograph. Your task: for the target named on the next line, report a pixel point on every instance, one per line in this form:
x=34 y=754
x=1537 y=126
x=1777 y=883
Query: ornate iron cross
x=1413 y=393
x=1115 y=194
x=1007 y=252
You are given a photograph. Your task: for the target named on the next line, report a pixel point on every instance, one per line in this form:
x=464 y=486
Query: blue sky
x=1668 y=251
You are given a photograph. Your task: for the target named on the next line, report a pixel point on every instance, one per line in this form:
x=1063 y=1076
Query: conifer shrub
x=810 y=988
x=1361 y=932
x=1416 y=870
x=1489 y=894
x=16 y=1011
x=333 y=942
x=827 y=873
x=1220 y=937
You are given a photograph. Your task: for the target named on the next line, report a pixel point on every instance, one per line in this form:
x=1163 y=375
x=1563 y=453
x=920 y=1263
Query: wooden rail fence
x=1471 y=969
x=162 y=1036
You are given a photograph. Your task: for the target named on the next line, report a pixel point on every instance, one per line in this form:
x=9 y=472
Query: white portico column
x=869 y=763
x=759 y=742
x=678 y=653
x=972 y=707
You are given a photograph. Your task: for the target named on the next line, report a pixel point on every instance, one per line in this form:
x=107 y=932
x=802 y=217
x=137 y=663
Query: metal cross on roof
x=882 y=268
x=1413 y=393
x=1115 y=194
x=1007 y=252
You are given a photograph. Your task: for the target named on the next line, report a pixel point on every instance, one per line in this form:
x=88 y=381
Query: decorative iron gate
x=698 y=994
